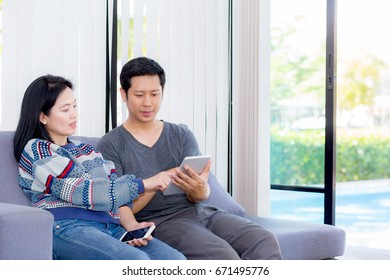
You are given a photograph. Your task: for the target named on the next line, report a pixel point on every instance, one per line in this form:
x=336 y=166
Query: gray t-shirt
x=132 y=157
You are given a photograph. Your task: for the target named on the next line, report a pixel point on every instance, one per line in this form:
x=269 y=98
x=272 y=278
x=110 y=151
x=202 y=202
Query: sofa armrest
x=26 y=233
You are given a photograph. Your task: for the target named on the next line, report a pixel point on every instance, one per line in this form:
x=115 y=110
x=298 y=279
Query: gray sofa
x=26 y=232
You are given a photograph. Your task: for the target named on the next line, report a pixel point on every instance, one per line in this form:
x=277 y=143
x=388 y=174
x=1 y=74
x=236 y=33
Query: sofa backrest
x=10 y=192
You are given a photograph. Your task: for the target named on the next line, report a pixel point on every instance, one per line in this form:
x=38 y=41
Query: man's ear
x=123 y=94
x=42 y=118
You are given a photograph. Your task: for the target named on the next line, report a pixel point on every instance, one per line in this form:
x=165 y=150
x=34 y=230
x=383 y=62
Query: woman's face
x=61 y=121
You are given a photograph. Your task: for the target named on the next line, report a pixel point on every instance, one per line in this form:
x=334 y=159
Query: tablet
x=197 y=163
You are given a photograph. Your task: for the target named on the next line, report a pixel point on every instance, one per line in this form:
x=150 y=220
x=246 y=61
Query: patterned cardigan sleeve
x=53 y=175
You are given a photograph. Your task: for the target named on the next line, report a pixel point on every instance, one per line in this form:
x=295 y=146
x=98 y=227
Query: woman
x=73 y=181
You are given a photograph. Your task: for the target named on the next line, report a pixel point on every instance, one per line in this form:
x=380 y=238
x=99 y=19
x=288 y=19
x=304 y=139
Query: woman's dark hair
x=40 y=96
x=140 y=66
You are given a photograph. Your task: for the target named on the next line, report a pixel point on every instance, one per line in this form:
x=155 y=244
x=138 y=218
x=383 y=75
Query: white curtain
x=189 y=38
x=251 y=98
x=59 y=37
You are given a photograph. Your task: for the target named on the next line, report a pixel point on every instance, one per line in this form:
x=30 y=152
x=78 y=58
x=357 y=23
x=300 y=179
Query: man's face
x=143 y=98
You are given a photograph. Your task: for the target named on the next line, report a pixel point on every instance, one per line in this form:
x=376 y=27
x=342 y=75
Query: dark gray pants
x=211 y=233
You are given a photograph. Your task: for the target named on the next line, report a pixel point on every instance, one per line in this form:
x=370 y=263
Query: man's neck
x=138 y=127
x=145 y=133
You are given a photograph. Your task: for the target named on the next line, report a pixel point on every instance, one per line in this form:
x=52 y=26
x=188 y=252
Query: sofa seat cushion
x=304 y=240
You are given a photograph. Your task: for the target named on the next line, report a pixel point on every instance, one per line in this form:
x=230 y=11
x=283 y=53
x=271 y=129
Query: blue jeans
x=88 y=240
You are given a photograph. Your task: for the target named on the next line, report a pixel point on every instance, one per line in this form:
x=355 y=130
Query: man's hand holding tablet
x=196 y=163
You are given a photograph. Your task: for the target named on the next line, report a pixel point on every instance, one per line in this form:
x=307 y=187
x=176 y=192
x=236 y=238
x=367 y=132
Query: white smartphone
x=197 y=163
x=142 y=233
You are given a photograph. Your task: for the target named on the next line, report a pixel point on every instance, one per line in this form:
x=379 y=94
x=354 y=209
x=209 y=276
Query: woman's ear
x=42 y=118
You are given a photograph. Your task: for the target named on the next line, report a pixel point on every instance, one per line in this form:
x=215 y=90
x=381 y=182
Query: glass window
x=363 y=115
x=301 y=206
x=363 y=122
x=298 y=36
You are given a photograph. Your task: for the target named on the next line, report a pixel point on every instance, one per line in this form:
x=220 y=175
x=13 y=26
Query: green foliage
x=363 y=156
x=297 y=157
x=359 y=80
x=295 y=72
x=131 y=36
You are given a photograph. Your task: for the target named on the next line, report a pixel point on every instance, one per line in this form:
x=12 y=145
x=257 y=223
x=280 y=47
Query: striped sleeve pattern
x=77 y=177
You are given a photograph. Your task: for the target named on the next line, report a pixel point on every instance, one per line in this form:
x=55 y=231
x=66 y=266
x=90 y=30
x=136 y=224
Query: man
x=145 y=146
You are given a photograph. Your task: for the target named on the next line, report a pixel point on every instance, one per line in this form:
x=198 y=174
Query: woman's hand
x=140 y=241
x=159 y=181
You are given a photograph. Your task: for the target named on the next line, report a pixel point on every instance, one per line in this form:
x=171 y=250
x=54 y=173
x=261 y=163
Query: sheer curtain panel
x=190 y=40
x=251 y=95
x=61 y=37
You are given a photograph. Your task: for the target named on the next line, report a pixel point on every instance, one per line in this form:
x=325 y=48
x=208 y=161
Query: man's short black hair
x=140 y=66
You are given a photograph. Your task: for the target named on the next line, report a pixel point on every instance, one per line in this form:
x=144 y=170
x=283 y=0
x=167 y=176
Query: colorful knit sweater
x=53 y=177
